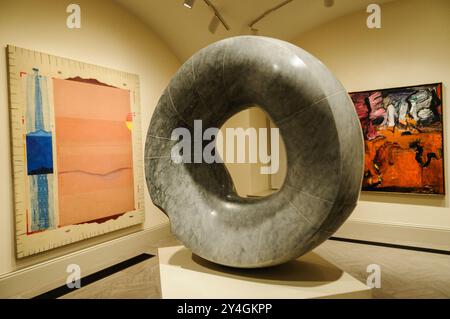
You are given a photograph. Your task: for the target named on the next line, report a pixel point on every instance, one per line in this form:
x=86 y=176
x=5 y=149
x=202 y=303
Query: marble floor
x=404 y=273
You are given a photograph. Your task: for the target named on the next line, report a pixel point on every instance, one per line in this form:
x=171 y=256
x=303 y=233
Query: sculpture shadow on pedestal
x=310 y=270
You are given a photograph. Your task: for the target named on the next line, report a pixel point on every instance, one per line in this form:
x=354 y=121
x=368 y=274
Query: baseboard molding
x=396 y=234
x=37 y=279
x=99 y=275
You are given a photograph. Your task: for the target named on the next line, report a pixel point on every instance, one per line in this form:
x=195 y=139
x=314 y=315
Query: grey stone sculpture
x=324 y=148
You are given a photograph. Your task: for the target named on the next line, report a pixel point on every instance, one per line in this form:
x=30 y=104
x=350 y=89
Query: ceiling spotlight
x=328 y=3
x=214 y=24
x=189 y=3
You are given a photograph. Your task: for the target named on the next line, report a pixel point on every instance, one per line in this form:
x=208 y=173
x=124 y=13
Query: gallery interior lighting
x=189 y=3
x=217 y=16
x=216 y=19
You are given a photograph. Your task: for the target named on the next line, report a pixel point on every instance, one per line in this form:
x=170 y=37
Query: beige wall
x=246 y=176
x=240 y=172
x=259 y=183
x=109 y=37
x=413 y=47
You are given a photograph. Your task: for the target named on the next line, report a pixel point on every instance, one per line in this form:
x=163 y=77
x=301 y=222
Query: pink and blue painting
x=76 y=150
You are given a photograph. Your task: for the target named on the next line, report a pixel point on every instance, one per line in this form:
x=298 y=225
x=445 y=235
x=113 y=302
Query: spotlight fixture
x=217 y=18
x=328 y=3
x=189 y=3
x=214 y=24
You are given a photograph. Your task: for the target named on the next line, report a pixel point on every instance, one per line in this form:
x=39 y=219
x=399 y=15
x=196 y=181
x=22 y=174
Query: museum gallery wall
x=346 y=62
x=382 y=59
x=76 y=150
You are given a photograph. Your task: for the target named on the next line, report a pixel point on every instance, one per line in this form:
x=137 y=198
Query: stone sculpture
x=324 y=148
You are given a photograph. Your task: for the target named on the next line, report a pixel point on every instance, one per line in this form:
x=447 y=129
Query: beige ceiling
x=185 y=30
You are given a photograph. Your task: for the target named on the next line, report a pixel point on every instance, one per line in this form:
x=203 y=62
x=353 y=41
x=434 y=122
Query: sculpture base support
x=187 y=276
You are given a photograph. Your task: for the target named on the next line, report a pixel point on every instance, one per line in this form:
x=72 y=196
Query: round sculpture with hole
x=321 y=133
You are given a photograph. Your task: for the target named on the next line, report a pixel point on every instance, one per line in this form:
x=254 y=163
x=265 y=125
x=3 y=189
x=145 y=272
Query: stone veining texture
x=324 y=148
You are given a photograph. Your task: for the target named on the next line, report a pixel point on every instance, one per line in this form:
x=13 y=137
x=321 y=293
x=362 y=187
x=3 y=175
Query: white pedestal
x=187 y=276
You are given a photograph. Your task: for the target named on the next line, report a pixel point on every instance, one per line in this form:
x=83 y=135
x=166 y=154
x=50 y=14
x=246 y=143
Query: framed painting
x=403 y=136
x=77 y=150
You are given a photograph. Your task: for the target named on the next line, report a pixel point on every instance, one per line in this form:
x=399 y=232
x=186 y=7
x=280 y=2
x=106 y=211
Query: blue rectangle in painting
x=39 y=153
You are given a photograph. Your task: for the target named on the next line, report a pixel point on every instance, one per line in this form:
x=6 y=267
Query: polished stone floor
x=404 y=273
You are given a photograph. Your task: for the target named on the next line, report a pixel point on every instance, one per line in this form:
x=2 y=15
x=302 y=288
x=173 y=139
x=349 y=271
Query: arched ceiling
x=185 y=30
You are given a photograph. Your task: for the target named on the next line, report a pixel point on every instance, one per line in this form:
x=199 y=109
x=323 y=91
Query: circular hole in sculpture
x=253 y=152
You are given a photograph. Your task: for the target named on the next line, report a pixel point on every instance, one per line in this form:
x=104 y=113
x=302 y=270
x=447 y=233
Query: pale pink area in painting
x=94 y=152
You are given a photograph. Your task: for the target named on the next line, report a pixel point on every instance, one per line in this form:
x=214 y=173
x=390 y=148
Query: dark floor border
x=374 y=243
x=63 y=290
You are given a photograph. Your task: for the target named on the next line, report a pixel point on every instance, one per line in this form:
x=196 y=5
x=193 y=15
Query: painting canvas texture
x=403 y=136
x=77 y=150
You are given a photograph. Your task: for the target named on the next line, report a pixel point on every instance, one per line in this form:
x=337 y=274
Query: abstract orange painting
x=94 y=151
x=403 y=138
